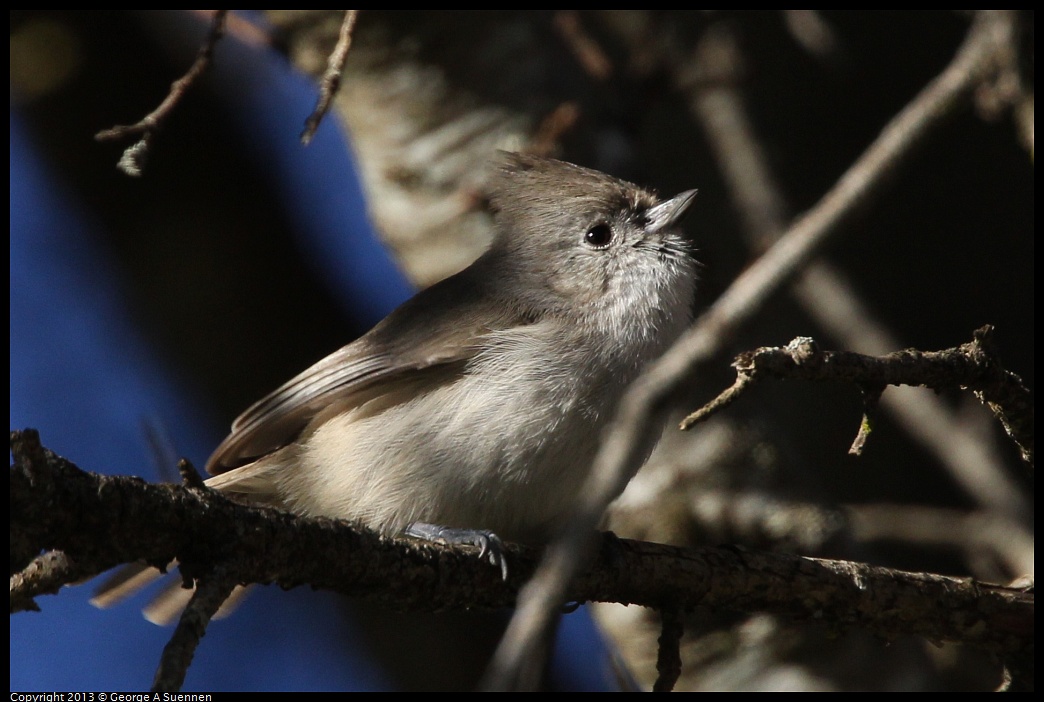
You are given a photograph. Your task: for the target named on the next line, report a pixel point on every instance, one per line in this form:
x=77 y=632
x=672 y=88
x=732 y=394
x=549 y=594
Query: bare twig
x=972 y=366
x=133 y=159
x=645 y=405
x=726 y=398
x=668 y=657
x=1008 y=399
x=331 y=80
x=210 y=593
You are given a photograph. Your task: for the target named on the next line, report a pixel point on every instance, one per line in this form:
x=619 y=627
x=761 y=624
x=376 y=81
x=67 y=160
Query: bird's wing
x=427 y=340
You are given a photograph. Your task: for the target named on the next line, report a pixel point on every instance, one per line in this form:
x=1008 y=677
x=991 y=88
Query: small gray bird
x=476 y=408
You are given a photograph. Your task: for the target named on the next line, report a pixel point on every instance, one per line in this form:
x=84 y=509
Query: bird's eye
x=599 y=236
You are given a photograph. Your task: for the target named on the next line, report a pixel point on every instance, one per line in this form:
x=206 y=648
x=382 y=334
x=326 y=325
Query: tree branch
x=101 y=521
x=972 y=366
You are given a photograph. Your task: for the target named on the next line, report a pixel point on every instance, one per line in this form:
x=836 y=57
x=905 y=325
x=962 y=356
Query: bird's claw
x=490 y=546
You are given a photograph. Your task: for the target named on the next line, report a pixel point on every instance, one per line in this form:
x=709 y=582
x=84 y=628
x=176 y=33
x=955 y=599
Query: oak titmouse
x=479 y=403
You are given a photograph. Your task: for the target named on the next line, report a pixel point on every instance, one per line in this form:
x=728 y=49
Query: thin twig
x=668 y=656
x=133 y=159
x=726 y=398
x=210 y=593
x=1008 y=399
x=972 y=366
x=331 y=80
x=645 y=405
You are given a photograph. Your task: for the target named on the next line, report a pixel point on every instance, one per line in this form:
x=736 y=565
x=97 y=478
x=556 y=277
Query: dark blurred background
x=164 y=305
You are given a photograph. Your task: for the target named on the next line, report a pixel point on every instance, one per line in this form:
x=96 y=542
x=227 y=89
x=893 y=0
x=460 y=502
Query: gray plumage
x=479 y=403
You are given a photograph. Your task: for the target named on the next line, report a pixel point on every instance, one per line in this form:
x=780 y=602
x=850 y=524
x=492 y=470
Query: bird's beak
x=669 y=212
